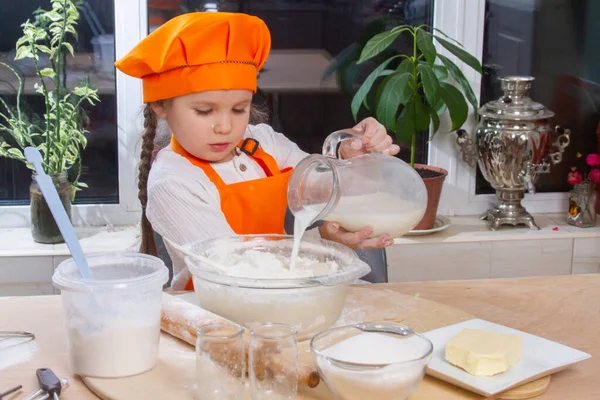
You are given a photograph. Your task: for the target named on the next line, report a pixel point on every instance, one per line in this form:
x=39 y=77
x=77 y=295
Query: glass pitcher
x=373 y=190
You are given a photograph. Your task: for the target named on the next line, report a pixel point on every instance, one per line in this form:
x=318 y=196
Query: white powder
x=264 y=265
x=395 y=381
x=114 y=352
x=216 y=382
x=16 y=350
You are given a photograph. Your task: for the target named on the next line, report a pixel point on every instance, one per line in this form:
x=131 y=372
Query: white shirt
x=184 y=205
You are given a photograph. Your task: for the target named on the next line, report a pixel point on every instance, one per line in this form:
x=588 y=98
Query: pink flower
x=594 y=175
x=574 y=178
x=593 y=160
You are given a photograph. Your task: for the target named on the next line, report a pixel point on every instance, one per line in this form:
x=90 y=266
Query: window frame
x=464 y=20
x=128 y=32
x=459 y=20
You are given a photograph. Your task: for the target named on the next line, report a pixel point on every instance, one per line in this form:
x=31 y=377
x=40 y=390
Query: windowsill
x=472 y=229
x=17 y=242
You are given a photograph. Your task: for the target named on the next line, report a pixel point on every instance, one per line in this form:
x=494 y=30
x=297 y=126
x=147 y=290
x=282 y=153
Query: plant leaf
x=440 y=31
x=460 y=78
x=405 y=125
x=435 y=119
x=440 y=72
x=47 y=72
x=405 y=66
x=374 y=27
x=366 y=86
x=431 y=85
x=377 y=44
x=23 y=52
x=69 y=47
x=16 y=153
x=440 y=107
x=461 y=54
x=457 y=106
x=425 y=45
x=421 y=115
x=395 y=92
x=343 y=58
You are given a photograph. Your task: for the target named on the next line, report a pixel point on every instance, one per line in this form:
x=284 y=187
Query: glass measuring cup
x=373 y=190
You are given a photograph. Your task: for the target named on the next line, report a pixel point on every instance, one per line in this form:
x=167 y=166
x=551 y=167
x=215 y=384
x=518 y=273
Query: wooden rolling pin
x=180 y=319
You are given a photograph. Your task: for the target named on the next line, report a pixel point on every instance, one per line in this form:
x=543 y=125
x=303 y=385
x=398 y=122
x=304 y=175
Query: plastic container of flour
x=112 y=320
x=375 y=361
x=257 y=285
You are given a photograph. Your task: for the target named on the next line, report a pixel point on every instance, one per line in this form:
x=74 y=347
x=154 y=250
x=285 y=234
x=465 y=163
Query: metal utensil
x=401 y=330
x=50 y=385
x=10 y=391
x=5 y=335
x=12 y=334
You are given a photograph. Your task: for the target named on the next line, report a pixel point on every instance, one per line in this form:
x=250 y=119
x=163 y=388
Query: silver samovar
x=513 y=144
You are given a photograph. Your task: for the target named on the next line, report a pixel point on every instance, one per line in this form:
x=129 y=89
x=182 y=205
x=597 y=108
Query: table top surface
x=562 y=308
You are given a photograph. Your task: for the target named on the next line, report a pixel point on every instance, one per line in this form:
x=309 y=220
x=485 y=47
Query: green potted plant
x=408 y=93
x=59 y=133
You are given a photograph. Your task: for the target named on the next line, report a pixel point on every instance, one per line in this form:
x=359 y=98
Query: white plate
x=441 y=223
x=541 y=357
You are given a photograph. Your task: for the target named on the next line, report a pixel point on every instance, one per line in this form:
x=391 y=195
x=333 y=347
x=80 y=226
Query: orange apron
x=250 y=207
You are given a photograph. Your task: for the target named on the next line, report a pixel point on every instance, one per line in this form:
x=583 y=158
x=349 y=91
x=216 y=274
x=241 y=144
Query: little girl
x=220 y=175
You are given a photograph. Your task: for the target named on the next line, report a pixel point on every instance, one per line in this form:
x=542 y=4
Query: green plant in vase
x=408 y=93
x=59 y=133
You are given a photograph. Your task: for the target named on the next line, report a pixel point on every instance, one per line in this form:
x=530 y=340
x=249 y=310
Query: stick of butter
x=483 y=353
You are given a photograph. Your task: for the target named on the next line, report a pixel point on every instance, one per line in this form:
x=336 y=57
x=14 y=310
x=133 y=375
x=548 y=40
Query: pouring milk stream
x=372 y=190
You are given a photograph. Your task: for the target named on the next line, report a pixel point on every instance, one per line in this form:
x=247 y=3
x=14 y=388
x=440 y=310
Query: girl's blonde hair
x=148 y=245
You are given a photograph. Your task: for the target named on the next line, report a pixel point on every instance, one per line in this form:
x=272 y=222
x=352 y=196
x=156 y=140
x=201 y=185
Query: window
x=110 y=158
x=305 y=36
x=552 y=41
x=547 y=39
x=94 y=55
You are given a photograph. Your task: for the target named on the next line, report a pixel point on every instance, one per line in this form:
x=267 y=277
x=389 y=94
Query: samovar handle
x=561 y=143
x=467 y=147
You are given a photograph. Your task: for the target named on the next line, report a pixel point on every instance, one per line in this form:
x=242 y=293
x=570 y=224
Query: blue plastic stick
x=58 y=211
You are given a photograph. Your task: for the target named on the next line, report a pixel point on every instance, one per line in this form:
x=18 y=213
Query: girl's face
x=209 y=125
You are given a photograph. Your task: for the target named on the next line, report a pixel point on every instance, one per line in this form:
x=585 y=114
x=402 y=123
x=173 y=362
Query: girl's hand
x=374 y=138
x=356 y=240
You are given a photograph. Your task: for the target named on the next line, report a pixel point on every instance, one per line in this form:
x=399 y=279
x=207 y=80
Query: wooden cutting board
x=174 y=376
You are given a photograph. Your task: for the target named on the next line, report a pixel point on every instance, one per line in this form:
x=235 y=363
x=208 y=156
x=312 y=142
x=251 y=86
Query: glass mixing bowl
x=384 y=360
x=310 y=304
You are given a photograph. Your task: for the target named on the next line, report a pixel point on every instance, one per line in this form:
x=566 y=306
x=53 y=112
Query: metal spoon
x=402 y=330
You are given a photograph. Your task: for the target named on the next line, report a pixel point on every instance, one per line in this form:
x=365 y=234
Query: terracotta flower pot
x=434 y=186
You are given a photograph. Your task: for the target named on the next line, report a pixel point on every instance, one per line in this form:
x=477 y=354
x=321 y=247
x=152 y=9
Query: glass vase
x=582 y=205
x=43 y=227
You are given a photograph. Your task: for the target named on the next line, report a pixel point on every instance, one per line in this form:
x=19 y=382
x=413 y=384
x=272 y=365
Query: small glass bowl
x=375 y=360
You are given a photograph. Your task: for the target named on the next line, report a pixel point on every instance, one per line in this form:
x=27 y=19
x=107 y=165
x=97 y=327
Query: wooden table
x=564 y=309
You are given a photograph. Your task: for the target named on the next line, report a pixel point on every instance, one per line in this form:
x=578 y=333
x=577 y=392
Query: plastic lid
x=117 y=270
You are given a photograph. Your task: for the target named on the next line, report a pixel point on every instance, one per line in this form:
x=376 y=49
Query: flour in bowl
x=264 y=265
x=392 y=368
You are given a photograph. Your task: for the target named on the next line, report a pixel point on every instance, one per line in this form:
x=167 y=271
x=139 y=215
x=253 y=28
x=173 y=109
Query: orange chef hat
x=199 y=51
